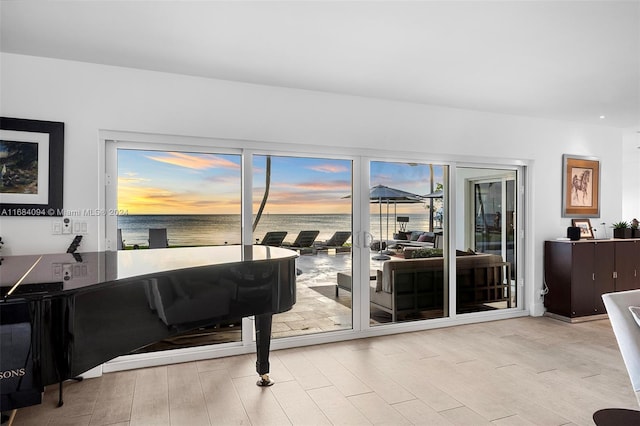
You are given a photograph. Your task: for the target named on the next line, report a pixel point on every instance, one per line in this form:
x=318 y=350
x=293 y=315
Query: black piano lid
x=94 y=268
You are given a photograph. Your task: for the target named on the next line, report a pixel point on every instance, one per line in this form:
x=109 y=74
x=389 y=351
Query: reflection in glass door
x=407 y=278
x=304 y=204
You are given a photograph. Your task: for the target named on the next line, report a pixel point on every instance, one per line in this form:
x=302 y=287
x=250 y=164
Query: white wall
x=88 y=97
x=631 y=175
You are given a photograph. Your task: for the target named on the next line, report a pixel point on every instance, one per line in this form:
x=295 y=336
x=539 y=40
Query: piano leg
x=263 y=340
x=60 y=400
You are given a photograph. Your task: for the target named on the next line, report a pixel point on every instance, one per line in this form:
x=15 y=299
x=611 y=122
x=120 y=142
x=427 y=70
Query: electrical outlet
x=67 y=271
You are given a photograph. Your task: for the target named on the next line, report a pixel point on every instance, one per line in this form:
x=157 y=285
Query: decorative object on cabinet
x=584 y=225
x=634 y=228
x=622 y=230
x=31 y=167
x=580 y=186
x=577 y=273
x=573 y=233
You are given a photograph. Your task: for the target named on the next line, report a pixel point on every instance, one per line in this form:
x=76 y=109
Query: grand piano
x=63 y=314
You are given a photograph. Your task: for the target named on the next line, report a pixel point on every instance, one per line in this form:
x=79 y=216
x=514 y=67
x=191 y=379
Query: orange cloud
x=336 y=185
x=329 y=168
x=154 y=200
x=197 y=162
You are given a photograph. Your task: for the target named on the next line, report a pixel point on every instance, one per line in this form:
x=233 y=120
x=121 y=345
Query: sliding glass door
x=407 y=263
x=382 y=244
x=305 y=204
x=486 y=242
x=188 y=199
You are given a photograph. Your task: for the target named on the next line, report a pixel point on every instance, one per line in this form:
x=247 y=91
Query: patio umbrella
x=434 y=194
x=382 y=193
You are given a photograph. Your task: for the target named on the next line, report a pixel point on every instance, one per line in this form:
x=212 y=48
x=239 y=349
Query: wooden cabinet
x=627 y=265
x=577 y=273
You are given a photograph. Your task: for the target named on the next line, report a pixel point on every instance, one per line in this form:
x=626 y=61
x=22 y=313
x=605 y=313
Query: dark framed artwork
x=586 y=232
x=31 y=167
x=580 y=186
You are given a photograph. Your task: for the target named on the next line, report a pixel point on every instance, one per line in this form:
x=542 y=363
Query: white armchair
x=626 y=330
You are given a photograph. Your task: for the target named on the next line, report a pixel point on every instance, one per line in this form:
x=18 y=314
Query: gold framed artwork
x=580 y=186
x=586 y=232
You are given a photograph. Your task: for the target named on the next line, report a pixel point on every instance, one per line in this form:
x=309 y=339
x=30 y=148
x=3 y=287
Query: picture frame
x=586 y=231
x=31 y=167
x=580 y=186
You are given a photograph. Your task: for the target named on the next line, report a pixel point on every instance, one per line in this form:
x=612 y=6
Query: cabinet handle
x=593 y=276
x=615 y=274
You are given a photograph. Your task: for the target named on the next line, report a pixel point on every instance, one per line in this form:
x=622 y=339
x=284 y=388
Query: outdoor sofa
x=416 y=239
x=409 y=286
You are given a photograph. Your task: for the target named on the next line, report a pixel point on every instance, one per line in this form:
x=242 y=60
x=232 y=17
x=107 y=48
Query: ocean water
x=199 y=230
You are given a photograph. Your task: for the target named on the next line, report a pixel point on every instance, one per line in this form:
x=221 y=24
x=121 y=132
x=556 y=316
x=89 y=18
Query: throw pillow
x=415 y=235
x=635 y=311
x=423 y=238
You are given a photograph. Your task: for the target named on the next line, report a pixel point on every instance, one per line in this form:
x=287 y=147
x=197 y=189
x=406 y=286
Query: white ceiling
x=565 y=60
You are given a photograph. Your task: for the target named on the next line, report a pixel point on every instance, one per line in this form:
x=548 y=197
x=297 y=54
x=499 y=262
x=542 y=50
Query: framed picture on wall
x=580 y=186
x=31 y=167
x=586 y=232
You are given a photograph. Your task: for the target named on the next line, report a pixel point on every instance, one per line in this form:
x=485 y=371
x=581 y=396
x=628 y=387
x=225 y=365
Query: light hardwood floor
x=525 y=371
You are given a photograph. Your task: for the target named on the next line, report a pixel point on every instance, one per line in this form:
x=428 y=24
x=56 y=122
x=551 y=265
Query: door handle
x=367 y=239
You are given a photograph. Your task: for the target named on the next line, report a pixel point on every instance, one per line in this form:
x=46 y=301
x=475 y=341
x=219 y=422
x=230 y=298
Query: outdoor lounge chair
x=303 y=240
x=158 y=238
x=273 y=238
x=336 y=241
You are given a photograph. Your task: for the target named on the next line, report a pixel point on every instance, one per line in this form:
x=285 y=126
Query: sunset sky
x=159 y=182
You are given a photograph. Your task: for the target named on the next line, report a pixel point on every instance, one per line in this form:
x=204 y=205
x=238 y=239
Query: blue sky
x=162 y=182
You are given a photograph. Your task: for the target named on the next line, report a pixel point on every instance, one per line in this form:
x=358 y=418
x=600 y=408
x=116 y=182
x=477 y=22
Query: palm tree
x=265 y=196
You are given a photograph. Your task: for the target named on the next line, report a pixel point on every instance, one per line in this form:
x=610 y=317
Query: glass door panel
x=408 y=278
x=304 y=204
x=192 y=199
x=486 y=249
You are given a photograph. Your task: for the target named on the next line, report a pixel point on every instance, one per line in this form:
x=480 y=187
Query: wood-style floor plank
x=151 y=397
x=261 y=405
x=186 y=399
x=524 y=371
x=298 y=405
x=222 y=399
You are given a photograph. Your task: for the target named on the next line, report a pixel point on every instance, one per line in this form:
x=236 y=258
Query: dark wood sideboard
x=577 y=273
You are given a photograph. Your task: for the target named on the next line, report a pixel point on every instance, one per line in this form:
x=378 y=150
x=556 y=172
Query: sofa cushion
x=428 y=237
x=380 y=298
x=415 y=235
x=378 y=280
